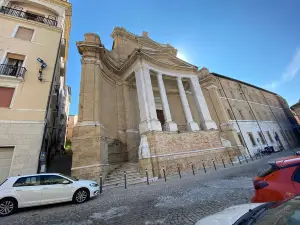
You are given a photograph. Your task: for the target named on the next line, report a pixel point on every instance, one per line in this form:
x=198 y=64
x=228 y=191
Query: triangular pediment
x=168 y=59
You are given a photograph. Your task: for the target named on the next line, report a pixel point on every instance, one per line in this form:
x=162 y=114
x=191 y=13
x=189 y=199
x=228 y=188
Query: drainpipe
x=234 y=116
x=42 y=159
x=277 y=121
x=254 y=115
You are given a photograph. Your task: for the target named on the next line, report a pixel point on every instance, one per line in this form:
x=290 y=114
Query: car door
x=28 y=190
x=296 y=179
x=54 y=190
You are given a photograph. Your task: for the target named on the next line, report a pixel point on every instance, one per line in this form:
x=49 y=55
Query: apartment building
x=34 y=42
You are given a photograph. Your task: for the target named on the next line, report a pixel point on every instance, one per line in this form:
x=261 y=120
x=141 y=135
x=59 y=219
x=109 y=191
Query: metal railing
x=10 y=70
x=28 y=16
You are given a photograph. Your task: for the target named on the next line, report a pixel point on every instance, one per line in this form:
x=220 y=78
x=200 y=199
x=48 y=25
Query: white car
x=41 y=189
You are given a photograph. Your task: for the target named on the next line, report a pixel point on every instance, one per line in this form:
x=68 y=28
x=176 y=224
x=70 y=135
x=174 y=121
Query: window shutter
x=15 y=56
x=24 y=34
x=6 y=96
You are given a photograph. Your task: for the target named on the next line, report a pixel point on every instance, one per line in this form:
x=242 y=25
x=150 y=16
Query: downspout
x=254 y=115
x=42 y=160
x=276 y=120
x=234 y=116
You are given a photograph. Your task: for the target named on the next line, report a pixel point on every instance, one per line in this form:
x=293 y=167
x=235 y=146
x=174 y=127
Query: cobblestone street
x=178 y=201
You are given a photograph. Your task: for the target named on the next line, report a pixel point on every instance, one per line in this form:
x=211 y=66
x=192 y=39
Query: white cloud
x=291 y=71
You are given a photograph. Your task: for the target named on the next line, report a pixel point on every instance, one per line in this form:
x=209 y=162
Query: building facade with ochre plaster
x=140 y=104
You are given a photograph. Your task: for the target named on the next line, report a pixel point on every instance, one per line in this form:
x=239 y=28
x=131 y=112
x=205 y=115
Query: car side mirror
x=66 y=182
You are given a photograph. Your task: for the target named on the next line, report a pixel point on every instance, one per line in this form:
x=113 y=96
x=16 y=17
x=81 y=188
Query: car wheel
x=81 y=195
x=8 y=206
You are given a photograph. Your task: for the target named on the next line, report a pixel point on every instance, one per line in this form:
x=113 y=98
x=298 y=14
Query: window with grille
x=6 y=94
x=262 y=138
x=270 y=137
x=24 y=33
x=252 y=138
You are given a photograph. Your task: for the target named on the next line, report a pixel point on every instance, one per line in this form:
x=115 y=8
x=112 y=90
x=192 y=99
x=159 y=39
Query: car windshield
x=69 y=177
x=267 y=171
x=287 y=213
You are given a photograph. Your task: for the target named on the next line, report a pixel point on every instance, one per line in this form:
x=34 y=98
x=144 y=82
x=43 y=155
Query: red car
x=279 y=182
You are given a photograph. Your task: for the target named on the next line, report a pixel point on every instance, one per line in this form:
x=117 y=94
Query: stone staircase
x=116 y=177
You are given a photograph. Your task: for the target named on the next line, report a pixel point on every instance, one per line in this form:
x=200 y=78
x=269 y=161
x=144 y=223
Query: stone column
x=148 y=115
x=87 y=160
x=191 y=124
x=169 y=124
x=206 y=123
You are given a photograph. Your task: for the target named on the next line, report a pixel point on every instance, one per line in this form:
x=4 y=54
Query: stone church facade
x=139 y=103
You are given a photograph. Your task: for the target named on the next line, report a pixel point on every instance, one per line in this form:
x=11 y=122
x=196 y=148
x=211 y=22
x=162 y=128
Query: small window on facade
x=252 y=138
x=230 y=114
x=6 y=94
x=221 y=93
x=270 y=137
x=241 y=139
x=24 y=33
x=262 y=138
x=232 y=94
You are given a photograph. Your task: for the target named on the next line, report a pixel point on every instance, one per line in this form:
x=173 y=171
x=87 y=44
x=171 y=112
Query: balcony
x=14 y=71
x=28 y=16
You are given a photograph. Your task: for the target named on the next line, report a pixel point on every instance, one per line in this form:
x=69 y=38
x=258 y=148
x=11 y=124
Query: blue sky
x=253 y=41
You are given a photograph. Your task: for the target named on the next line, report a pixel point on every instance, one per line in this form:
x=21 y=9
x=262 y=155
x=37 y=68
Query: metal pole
x=204 y=166
x=251 y=157
x=125 y=180
x=147 y=176
x=179 y=171
x=101 y=184
x=164 y=174
x=223 y=163
x=231 y=161
x=214 y=164
x=193 y=169
x=239 y=160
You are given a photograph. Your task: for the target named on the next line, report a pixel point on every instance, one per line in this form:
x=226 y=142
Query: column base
x=170 y=126
x=209 y=125
x=192 y=126
x=144 y=126
x=156 y=125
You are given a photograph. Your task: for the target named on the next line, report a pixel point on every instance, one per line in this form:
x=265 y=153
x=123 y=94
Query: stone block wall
x=170 y=150
x=26 y=138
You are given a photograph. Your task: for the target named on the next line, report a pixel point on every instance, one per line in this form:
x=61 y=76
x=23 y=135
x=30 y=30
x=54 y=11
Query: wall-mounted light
x=43 y=66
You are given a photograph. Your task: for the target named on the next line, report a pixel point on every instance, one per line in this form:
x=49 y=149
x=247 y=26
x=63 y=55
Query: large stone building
x=34 y=39
x=140 y=103
x=296 y=111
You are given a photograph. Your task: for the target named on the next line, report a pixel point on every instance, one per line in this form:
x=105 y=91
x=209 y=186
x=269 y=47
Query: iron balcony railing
x=28 y=16
x=14 y=71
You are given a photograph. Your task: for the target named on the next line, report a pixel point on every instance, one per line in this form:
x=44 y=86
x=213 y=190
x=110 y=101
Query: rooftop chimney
x=145 y=34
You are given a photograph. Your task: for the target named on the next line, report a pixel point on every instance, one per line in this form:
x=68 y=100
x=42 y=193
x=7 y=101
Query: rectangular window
x=252 y=138
x=241 y=139
x=230 y=114
x=270 y=137
x=24 y=33
x=262 y=138
x=6 y=94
